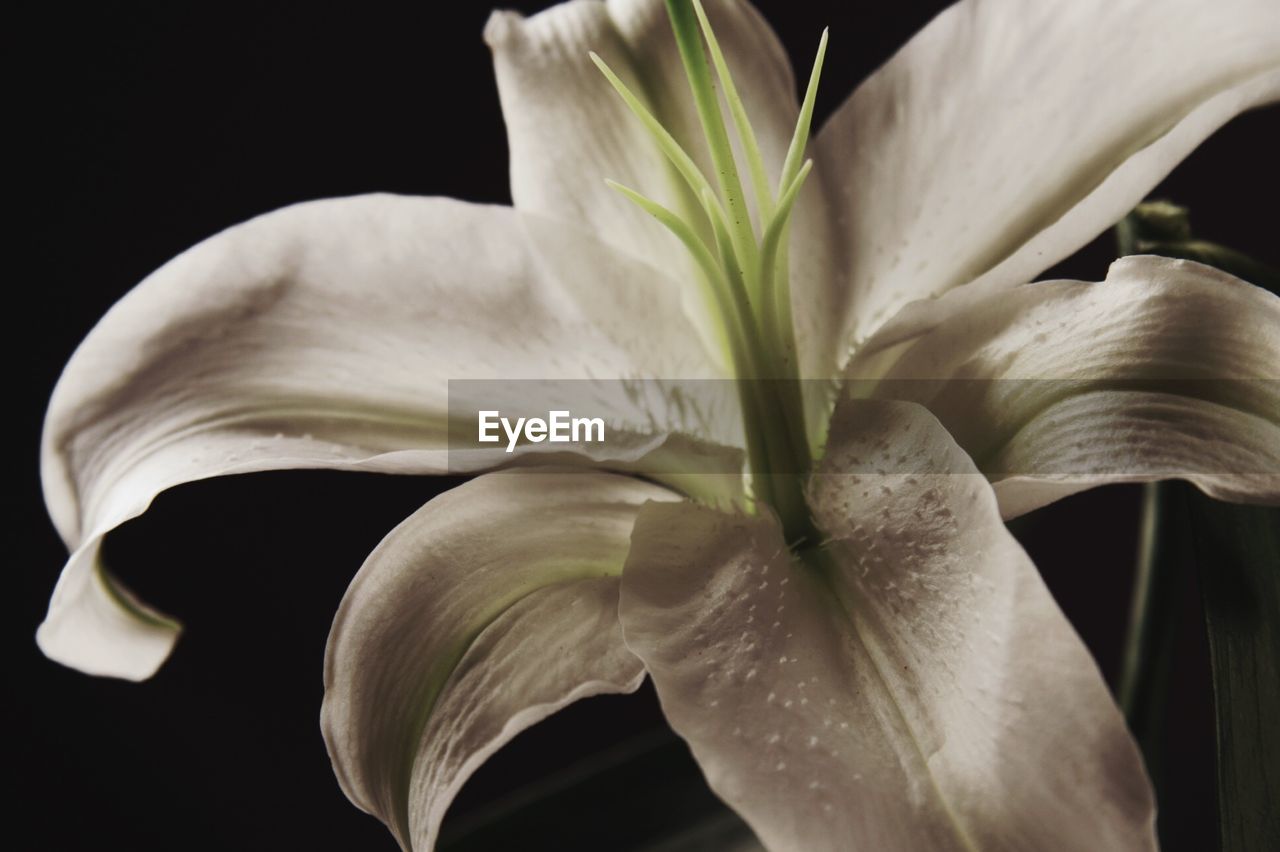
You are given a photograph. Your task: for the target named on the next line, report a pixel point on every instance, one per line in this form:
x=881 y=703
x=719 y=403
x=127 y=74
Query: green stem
x=1153 y=626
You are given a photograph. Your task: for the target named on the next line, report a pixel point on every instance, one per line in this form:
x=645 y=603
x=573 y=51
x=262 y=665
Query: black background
x=144 y=130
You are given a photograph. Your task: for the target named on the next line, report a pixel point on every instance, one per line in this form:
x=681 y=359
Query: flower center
x=742 y=264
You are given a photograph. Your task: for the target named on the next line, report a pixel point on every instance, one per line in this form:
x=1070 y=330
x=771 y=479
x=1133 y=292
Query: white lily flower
x=859 y=654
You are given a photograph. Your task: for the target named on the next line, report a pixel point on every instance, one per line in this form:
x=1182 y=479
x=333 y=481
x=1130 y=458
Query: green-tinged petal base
x=487 y=610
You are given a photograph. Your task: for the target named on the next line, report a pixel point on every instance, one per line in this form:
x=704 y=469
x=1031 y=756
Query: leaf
x=1237 y=552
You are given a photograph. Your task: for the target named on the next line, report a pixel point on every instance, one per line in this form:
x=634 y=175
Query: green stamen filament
x=755 y=163
x=729 y=313
x=683 y=163
x=684 y=232
x=777 y=313
x=746 y=278
x=689 y=43
x=791 y=166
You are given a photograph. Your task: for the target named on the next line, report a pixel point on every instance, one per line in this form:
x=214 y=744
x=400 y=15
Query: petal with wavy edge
x=486 y=611
x=914 y=688
x=325 y=335
x=1009 y=133
x=1168 y=368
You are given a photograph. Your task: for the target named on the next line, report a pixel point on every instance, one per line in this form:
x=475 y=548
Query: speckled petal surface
x=1168 y=368
x=914 y=688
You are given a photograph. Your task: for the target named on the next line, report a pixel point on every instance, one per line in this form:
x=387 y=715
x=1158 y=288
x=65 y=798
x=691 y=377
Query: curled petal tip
x=500 y=26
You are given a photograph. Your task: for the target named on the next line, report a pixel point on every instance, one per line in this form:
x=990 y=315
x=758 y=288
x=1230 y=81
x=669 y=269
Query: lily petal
x=489 y=609
x=915 y=687
x=1167 y=369
x=568 y=130
x=1008 y=134
x=325 y=335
